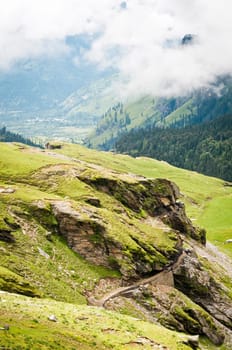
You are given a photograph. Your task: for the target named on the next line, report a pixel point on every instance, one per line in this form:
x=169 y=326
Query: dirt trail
x=163 y=277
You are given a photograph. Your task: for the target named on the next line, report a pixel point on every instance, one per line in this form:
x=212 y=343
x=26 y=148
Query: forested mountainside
x=205 y=148
x=8 y=136
x=82 y=227
x=200 y=106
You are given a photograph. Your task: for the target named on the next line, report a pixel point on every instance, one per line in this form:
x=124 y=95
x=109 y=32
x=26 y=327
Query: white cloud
x=132 y=38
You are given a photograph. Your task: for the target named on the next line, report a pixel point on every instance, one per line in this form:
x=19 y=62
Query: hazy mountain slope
x=93 y=99
x=33 y=97
x=76 y=224
x=194 y=109
x=206 y=148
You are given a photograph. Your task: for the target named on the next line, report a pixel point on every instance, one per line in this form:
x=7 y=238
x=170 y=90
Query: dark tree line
x=8 y=136
x=206 y=148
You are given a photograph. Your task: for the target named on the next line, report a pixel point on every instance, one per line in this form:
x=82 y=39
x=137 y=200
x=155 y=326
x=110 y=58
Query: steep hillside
x=206 y=148
x=200 y=106
x=78 y=226
x=208 y=200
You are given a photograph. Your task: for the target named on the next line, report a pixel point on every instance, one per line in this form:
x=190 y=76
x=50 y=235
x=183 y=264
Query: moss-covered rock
x=157 y=197
x=176 y=311
x=13 y=283
x=195 y=281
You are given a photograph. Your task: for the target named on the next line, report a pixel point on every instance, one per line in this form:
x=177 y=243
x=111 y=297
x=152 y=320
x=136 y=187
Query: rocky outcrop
x=195 y=281
x=154 y=275
x=89 y=233
x=174 y=310
x=158 y=197
x=83 y=234
x=89 y=237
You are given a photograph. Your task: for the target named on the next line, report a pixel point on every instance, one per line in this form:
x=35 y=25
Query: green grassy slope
x=42 y=265
x=77 y=327
x=115 y=120
x=62 y=276
x=203 y=195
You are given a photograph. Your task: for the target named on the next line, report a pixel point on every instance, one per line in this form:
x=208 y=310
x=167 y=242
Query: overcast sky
x=139 y=38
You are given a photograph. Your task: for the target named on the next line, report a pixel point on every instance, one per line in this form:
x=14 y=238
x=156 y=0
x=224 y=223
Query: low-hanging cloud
x=138 y=38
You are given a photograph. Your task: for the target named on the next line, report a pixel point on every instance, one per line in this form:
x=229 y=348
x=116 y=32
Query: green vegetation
x=17 y=161
x=10 y=281
x=206 y=148
x=119 y=119
x=50 y=266
x=90 y=187
x=198 y=191
x=7 y=136
x=76 y=327
x=148 y=112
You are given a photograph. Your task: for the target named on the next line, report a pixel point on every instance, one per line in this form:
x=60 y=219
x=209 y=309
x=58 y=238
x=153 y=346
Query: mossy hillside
x=76 y=327
x=10 y=281
x=43 y=259
x=31 y=204
x=121 y=224
x=198 y=191
x=62 y=274
x=191 y=314
x=113 y=212
x=70 y=187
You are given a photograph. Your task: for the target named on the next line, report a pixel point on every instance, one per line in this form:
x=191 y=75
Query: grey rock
x=52 y=318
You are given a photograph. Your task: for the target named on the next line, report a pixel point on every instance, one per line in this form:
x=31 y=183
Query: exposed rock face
x=158 y=197
x=196 y=282
x=84 y=236
x=174 y=310
x=89 y=236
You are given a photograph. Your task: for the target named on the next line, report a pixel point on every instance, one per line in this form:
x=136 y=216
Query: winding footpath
x=164 y=277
